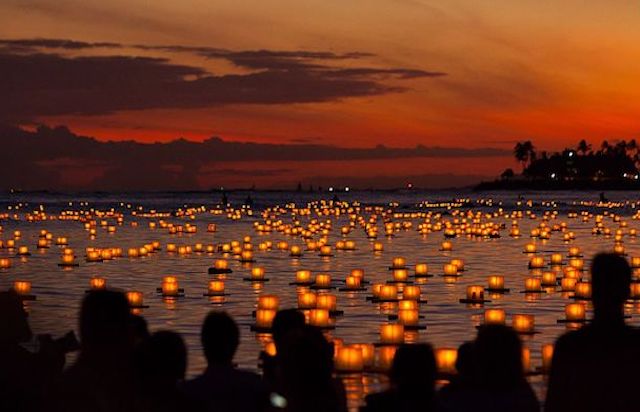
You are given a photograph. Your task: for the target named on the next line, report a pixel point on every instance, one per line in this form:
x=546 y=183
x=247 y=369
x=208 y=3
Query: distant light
x=346 y=189
x=553 y=175
x=409 y=185
x=570 y=154
x=331 y=189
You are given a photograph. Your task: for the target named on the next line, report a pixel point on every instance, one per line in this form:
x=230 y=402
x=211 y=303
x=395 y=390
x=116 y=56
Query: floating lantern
x=170 y=286
x=23 y=251
x=220 y=266
x=270 y=302
x=408 y=304
x=303 y=277
x=556 y=259
x=422 y=270
x=496 y=283
x=11 y=243
x=618 y=249
x=475 y=294
x=400 y=275
x=398 y=263
x=327 y=301
x=446 y=360
x=634 y=293
x=388 y=293
x=375 y=290
x=295 y=251
x=574 y=251
x=246 y=256
x=136 y=299
x=450 y=270
x=408 y=317
x=384 y=357
x=349 y=245
x=583 y=291
x=133 y=252
x=530 y=248
x=494 y=317
x=577 y=263
x=62 y=241
x=378 y=247
x=257 y=274
x=458 y=263
x=5 y=263
x=446 y=246
x=264 y=319
x=536 y=262
x=411 y=292
x=392 y=334
x=22 y=287
x=358 y=273
x=323 y=281
x=635 y=262
x=568 y=284
x=325 y=251
x=349 y=359
x=216 y=288
x=43 y=244
x=523 y=323
x=97 y=283
x=547 y=356
x=319 y=318
x=532 y=285
x=307 y=300
x=575 y=312
x=171 y=248
x=352 y=283
x=549 y=279
x=93 y=256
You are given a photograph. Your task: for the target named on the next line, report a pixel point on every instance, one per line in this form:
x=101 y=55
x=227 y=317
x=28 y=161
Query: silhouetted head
x=284 y=322
x=163 y=358
x=220 y=338
x=498 y=357
x=105 y=322
x=610 y=281
x=414 y=368
x=465 y=361
x=306 y=363
x=14 y=327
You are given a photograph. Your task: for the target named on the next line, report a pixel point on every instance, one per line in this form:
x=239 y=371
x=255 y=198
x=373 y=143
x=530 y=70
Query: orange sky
x=551 y=72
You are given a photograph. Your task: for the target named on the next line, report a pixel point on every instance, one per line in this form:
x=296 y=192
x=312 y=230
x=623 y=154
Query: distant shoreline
x=547 y=184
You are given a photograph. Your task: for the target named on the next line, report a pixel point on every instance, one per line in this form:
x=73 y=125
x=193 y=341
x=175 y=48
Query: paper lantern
x=446 y=246
x=536 y=262
x=523 y=323
x=326 y=301
x=496 y=282
x=634 y=293
x=384 y=357
x=400 y=275
x=349 y=359
x=568 y=284
x=411 y=292
x=325 y=251
x=257 y=273
x=549 y=279
x=530 y=248
x=556 y=259
x=97 y=283
x=307 y=300
x=319 y=318
x=458 y=263
x=577 y=263
x=23 y=251
x=392 y=334
x=388 y=293
x=583 y=290
x=408 y=317
x=398 y=263
x=446 y=360
x=170 y=286
x=574 y=251
x=323 y=280
x=368 y=351
x=295 y=251
x=532 y=285
x=450 y=270
x=526 y=359
x=303 y=277
x=494 y=317
x=270 y=302
x=574 y=312
x=352 y=282
x=246 y=256
x=421 y=269
x=378 y=247
x=22 y=287
x=135 y=299
x=216 y=288
x=264 y=318
x=635 y=262
x=358 y=273
x=5 y=263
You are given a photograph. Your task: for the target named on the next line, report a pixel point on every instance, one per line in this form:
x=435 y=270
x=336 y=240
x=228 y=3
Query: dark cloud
x=36 y=82
x=40 y=159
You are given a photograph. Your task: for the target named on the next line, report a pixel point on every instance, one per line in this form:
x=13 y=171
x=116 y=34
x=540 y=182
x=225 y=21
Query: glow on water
x=449 y=322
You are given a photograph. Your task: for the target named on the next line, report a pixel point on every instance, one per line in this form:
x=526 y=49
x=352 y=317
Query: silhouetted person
x=412 y=387
x=464 y=379
x=222 y=387
x=596 y=368
x=24 y=376
x=102 y=377
x=500 y=380
x=161 y=363
x=285 y=321
x=305 y=368
x=139 y=329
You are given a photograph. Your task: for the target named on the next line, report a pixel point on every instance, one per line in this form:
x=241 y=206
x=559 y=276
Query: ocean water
x=449 y=323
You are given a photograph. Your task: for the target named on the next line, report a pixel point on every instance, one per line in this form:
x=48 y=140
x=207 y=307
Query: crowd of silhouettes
x=121 y=367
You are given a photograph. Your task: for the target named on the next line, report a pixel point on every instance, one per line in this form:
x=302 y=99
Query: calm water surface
x=449 y=322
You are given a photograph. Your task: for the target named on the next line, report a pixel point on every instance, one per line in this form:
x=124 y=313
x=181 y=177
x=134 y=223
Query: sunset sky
x=399 y=73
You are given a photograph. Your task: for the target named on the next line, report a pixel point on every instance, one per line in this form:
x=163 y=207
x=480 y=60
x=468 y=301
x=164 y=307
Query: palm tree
x=524 y=153
x=604 y=147
x=583 y=147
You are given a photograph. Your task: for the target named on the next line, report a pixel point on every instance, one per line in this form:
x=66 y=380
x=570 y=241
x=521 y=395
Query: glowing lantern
x=303 y=277
x=635 y=262
x=375 y=290
x=523 y=323
x=530 y=248
x=392 y=334
x=270 y=302
x=494 y=317
x=446 y=360
x=221 y=264
x=388 y=293
x=216 y=288
x=349 y=359
x=398 y=263
x=568 y=284
x=549 y=279
x=411 y=292
x=325 y=250
x=422 y=270
x=264 y=318
x=400 y=275
x=408 y=317
x=307 y=300
x=475 y=294
x=135 y=298
x=446 y=246
x=577 y=264
x=319 y=318
x=22 y=287
x=633 y=294
x=583 y=290
x=246 y=256
x=618 y=249
x=23 y=251
x=450 y=270
x=43 y=244
x=536 y=262
x=556 y=259
x=574 y=312
x=496 y=282
x=458 y=263
x=326 y=301
x=532 y=285
x=170 y=286
x=352 y=283
x=574 y=251
x=5 y=263
x=93 y=256
x=97 y=283
x=323 y=280
x=133 y=252
x=547 y=356
x=378 y=247
x=257 y=273
x=384 y=357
